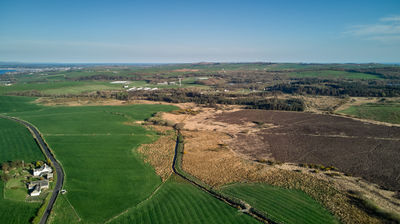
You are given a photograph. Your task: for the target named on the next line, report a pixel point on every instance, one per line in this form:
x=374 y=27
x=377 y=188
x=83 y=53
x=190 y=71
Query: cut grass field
x=10 y=104
x=16 y=143
x=103 y=172
x=333 y=74
x=385 y=112
x=60 y=87
x=281 y=205
x=179 y=202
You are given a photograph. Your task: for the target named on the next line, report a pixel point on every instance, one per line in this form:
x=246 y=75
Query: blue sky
x=193 y=31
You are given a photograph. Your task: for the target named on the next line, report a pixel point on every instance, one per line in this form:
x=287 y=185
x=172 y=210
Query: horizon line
x=200 y=62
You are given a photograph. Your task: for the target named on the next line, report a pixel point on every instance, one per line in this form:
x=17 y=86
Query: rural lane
x=57 y=166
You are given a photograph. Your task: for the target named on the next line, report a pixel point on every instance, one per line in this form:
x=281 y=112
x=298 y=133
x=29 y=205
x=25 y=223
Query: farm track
x=244 y=207
x=60 y=173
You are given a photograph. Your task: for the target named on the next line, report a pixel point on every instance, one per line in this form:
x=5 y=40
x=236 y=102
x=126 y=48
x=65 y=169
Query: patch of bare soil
x=89 y=101
x=204 y=120
x=160 y=153
x=322 y=104
x=78 y=101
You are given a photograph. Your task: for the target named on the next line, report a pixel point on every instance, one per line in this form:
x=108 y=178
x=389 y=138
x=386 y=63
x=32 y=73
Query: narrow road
x=56 y=165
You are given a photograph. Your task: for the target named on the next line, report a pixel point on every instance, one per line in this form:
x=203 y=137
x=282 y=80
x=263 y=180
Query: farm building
x=36 y=191
x=119 y=82
x=36 y=187
x=42 y=170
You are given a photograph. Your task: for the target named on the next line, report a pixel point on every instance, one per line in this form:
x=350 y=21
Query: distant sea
x=4 y=71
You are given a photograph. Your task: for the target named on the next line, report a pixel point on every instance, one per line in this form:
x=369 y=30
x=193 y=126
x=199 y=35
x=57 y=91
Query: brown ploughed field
x=361 y=149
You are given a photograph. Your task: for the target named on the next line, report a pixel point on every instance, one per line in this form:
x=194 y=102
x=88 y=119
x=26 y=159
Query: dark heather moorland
x=357 y=148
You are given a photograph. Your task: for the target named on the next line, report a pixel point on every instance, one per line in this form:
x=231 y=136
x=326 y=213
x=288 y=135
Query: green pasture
x=59 y=88
x=281 y=205
x=16 y=143
x=385 y=112
x=104 y=175
x=15 y=189
x=9 y=104
x=332 y=74
x=179 y=202
x=63 y=212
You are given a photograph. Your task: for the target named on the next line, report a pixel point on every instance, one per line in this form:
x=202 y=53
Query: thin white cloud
x=387 y=29
x=391 y=19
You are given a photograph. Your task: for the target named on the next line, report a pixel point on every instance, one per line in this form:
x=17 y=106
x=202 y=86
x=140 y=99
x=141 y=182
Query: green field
x=333 y=74
x=98 y=153
x=60 y=87
x=64 y=212
x=179 y=202
x=9 y=104
x=16 y=143
x=78 y=87
x=281 y=205
x=385 y=112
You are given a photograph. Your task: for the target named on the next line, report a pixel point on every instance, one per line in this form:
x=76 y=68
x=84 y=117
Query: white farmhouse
x=42 y=170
